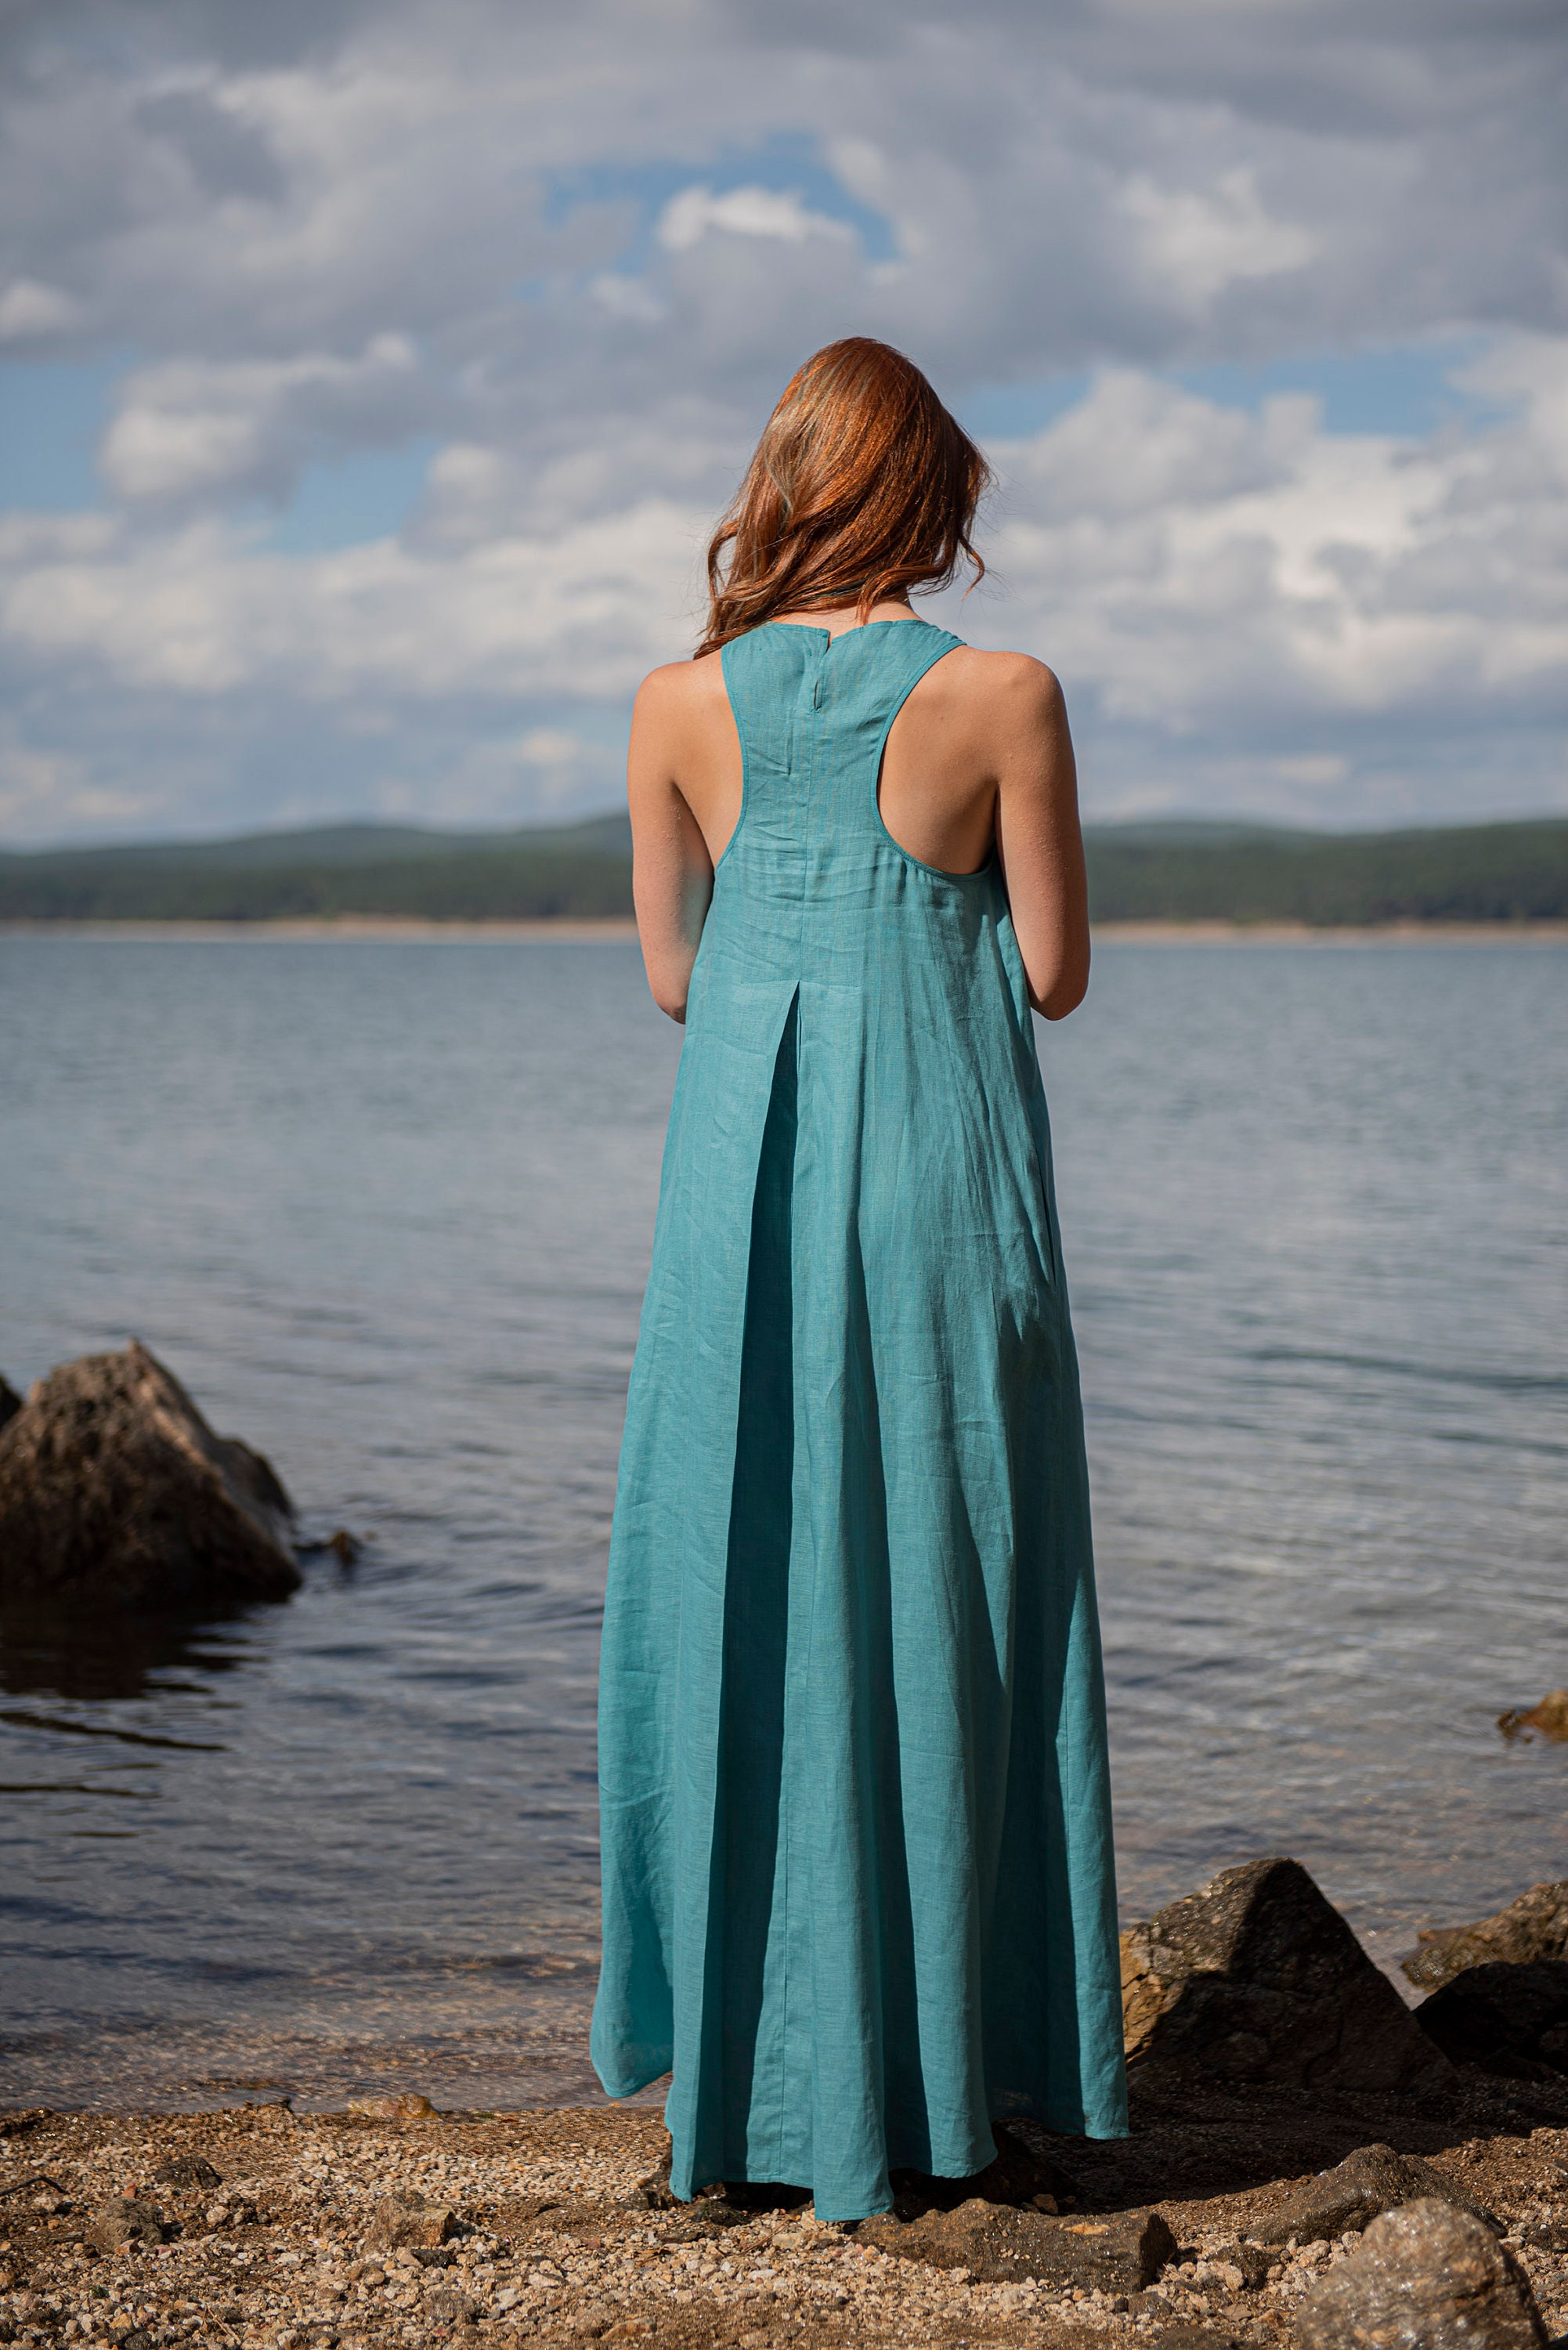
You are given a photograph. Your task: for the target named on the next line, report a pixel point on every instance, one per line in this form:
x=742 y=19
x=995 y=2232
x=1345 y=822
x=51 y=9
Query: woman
x=858 y=1879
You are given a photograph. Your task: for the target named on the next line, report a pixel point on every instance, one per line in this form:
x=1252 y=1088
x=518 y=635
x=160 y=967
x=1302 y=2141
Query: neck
x=838 y=617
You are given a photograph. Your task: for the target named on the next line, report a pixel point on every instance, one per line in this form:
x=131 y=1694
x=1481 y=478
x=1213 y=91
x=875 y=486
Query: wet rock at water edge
x=1372 y=2181
x=1121 y=2252
x=1534 y=1927
x=407 y=2106
x=114 y=1490
x=1256 y=1977
x=1429 y=2277
x=1511 y=2020
x=125 y=2219
x=1549 y=1719
x=10 y=1401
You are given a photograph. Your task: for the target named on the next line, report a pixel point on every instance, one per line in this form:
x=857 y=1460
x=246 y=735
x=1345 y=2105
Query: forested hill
x=1179 y=871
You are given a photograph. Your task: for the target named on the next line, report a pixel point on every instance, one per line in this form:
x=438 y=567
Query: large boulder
x=114 y=1490
x=1256 y=1977
x=1429 y=2277
x=1534 y=1927
x=1512 y=2020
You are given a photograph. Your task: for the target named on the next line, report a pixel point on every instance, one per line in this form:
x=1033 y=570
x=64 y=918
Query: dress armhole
x=939 y=873
x=724 y=651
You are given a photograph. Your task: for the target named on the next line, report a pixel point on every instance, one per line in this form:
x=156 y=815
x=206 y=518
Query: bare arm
x=671 y=871
x=1038 y=841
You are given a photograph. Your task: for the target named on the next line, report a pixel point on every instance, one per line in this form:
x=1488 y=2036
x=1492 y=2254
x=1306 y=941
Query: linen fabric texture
x=858 y=1890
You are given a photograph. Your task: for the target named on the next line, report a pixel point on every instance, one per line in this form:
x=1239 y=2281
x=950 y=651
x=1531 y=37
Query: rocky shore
x=1308 y=2165
x=276 y=2231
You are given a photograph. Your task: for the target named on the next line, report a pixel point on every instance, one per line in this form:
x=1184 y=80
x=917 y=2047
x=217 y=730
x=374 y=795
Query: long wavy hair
x=862 y=487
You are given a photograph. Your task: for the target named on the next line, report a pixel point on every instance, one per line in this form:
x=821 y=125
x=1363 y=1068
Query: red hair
x=862 y=487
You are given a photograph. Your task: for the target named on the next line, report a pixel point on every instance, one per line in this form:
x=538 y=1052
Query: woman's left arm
x=671 y=871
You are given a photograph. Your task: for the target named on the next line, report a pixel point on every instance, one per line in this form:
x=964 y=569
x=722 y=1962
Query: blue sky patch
x=51 y=414
x=345 y=501
x=789 y=163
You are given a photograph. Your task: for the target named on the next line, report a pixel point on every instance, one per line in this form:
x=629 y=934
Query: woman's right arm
x=671 y=871
x=1038 y=839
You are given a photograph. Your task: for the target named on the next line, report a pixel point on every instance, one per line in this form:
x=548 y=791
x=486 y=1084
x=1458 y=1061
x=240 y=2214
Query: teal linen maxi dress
x=856 y=1827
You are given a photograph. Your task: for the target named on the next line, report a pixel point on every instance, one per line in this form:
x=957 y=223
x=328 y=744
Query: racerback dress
x=858 y=1892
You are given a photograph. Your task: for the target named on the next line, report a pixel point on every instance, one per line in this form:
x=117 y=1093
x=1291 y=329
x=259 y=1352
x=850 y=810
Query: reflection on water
x=88 y=1659
x=386 y=1210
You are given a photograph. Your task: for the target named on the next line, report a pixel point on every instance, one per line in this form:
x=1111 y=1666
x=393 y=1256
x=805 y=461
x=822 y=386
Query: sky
x=372 y=371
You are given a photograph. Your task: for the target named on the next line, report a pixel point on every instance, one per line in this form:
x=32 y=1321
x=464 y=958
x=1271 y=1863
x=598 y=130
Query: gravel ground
x=554 y=2245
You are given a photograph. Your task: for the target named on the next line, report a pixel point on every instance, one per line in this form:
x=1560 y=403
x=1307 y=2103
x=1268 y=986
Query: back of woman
x=858 y=1893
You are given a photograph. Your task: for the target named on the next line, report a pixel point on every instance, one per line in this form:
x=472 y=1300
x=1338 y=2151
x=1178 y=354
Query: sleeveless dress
x=855 y=1823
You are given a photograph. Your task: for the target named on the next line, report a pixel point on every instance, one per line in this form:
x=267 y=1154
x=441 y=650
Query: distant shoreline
x=569 y=929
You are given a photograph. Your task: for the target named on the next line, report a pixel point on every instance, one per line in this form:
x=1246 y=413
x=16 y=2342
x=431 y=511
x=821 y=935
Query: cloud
x=1224 y=583
x=1247 y=598
x=577 y=253
x=204 y=611
x=689 y=217
x=1203 y=241
x=30 y=310
x=193 y=427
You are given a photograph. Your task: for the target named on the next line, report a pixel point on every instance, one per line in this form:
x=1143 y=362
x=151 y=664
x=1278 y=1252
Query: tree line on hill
x=1177 y=872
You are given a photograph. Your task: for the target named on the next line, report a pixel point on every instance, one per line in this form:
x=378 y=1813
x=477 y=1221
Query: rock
x=10 y=1401
x=114 y=1489
x=1373 y=2179
x=1429 y=2277
x=1508 y=2019
x=1550 y=1717
x=125 y=2219
x=234 y=2208
x=1534 y=1927
x=406 y=2218
x=1120 y=2253
x=1256 y=1977
x=344 y=1547
x=709 y=2212
x=1249 y=2263
x=449 y=2306
x=407 y=2107
x=186 y=2170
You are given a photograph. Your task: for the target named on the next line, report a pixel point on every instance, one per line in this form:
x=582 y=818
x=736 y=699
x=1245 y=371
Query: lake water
x=386 y=1209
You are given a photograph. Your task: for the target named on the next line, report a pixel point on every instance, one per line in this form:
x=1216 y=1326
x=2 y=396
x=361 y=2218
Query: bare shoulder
x=1000 y=703
x=681 y=688
x=1017 y=679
